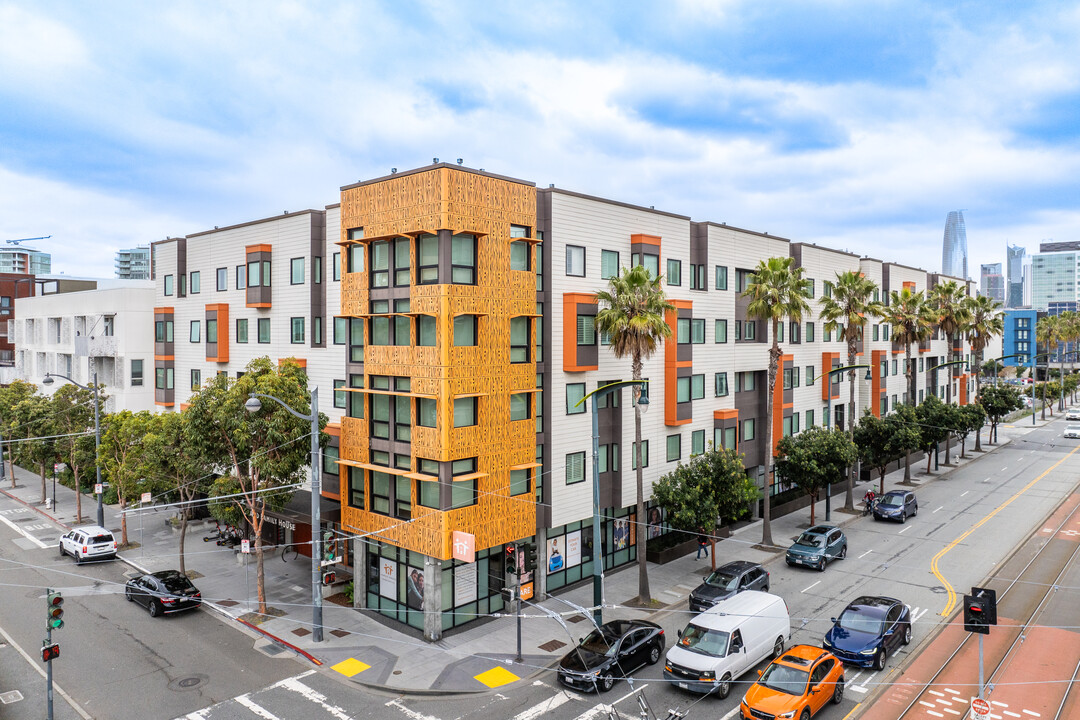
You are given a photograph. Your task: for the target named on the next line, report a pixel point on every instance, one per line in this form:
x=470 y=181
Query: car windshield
x=811 y=540
x=704 y=641
x=176 y=583
x=859 y=622
x=599 y=643
x=101 y=539
x=722 y=579
x=785 y=679
x=891 y=501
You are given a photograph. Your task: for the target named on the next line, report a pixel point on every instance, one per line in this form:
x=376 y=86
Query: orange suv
x=795 y=685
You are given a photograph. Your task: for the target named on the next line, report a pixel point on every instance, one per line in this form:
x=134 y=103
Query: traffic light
x=512 y=559
x=980 y=610
x=50 y=652
x=329 y=578
x=329 y=547
x=55 y=603
x=530 y=557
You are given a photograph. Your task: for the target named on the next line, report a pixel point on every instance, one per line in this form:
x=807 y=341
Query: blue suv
x=869 y=629
x=817 y=546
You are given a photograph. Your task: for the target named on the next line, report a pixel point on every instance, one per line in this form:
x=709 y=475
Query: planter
x=674 y=552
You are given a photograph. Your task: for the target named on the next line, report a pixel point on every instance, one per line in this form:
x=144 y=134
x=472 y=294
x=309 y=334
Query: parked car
x=613 y=651
x=869 y=629
x=1072 y=416
x=163 y=592
x=726 y=641
x=896 y=505
x=817 y=546
x=725 y=581
x=90 y=542
x=797 y=684
x=1072 y=431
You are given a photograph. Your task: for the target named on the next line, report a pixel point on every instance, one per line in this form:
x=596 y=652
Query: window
x=163 y=331
x=747 y=381
x=721 y=277
x=748 y=430
x=809 y=332
x=316 y=269
x=809 y=375
x=738 y=330
x=808 y=290
x=697 y=331
x=682 y=390
x=697 y=443
x=196 y=282
x=182 y=290
x=339 y=394
x=586 y=330
x=341 y=327
x=520 y=330
x=742 y=280
x=465 y=331
x=787 y=378
x=296 y=271
x=168 y=285
x=828 y=334
x=193 y=334
x=108 y=325
x=697 y=277
x=222 y=279
x=779 y=332
x=520 y=481
x=674 y=447
x=196 y=379
x=574 y=393
x=356 y=340
x=520 y=406
x=258 y=273
x=519 y=255
x=136 y=373
x=402 y=272
x=795 y=376
x=720 y=331
x=241 y=277
x=609 y=264
x=463 y=259
x=464 y=412
x=354 y=259
x=264 y=330
x=335 y=264
x=876 y=331
x=674 y=272
x=380 y=263
x=827 y=289
x=730 y=439
x=163 y=378
x=809 y=418
x=794 y=423
x=425 y=331
x=682 y=331
x=426 y=412
x=720 y=384
x=296 y=325
x=794 y=336
x=575 y=468
x=697 y=387
x=650 y=261
x=608 y=459
x=749 y=330
x=644 y=455
x=211 y=331
x=575 y=261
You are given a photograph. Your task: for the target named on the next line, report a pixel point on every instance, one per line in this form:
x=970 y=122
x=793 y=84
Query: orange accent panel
x=672 y=365
x=778 y=405
x=876 y=389
x=259 y=305
x=222 y=310
x=184 y=406
x=333 y=429
x=909 y=285
x=826 y=365
x=163 y=311
x=725 y=414
x=164 y=404
x=570 y=303
x=258 y=247
x=962 y=391
x=165 y=358
x=646 y=239
x=302 y=362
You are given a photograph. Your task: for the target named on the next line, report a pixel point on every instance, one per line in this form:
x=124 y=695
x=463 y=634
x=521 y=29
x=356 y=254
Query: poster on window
x=555 y=547
x=622 y=533
x=655 y=521
x=573 y=548
x=414 y=589
x=464 y=584
x=388 y=578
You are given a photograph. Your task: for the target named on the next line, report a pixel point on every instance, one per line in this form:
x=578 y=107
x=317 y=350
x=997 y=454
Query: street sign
x=980 y=709
x=59 y=468
x=147 y=497
x=245 y=546
x=527 y=591
x=98 y=488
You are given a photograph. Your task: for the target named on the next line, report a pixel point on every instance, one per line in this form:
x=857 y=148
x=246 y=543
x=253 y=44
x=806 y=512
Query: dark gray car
x=896 y=505
x=817 y=546
x=725 y=581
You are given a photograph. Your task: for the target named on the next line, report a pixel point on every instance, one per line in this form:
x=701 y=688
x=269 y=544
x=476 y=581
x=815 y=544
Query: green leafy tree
x=985 y=322
x=911 y=321
x=633 y=313
x=814 y=458
x=123 y=457
x=908 y=441
x=992 y=368
x=777 y=291
x=35 y=427
x=998 y=401
x=263 y=455
x=1050 y=331
x=847 y=311
x=935 y=424
x=879 y=441
x=10 y=396
x=970 y=419
x=73 y=409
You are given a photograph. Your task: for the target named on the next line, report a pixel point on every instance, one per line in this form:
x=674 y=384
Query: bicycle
x=289 y=552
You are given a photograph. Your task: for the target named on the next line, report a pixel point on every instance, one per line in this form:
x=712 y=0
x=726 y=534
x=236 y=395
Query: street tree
x=935 y=424
x=1050 y=331
x=846 y=311
x=635 y=313
x=911 y=322
x=711 y=486
x=998 y=401
x=262 y=456
x=73 y=410
x=123 y=457
x=880 y=441
x=814 y=458
x=34 y=427
x=985 y=322
x=10 y=396
x=970 y=419
x=908 y=437
x=777 y=291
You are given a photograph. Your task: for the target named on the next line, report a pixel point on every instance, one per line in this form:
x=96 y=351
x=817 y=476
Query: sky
x=858 y=125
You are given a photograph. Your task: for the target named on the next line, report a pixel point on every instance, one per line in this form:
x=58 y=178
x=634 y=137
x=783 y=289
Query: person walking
x=702 y=544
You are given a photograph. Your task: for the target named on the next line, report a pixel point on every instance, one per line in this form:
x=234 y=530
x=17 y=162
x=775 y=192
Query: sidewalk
x=372 y=652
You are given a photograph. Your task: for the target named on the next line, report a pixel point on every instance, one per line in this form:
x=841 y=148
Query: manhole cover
x=938 y=589
x=189 y=683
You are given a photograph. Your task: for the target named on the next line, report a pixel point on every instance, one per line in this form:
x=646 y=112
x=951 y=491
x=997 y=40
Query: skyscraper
x=1014 y=276
x=954 y=246
x=992 y=282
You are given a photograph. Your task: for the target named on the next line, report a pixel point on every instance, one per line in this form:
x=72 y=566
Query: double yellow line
x=950 y=603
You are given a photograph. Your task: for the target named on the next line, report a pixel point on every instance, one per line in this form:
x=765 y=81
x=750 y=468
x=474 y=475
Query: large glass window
x=297 y=330
x=519 y=255
x=425 y=330
x=574 y=393
x=426 y=412
x=649 y=260
x=341 y=329
x=354 y=260
x=463 y=259
x=464 y=411
x=575 y=468
x=519 y=339
x=721 y=277
x=356 y=340
x=427 y=259
x=575 y=261
x=609 y=264
x=520 y=481
x=519 y=406
x=296 y=271
x=264 y=330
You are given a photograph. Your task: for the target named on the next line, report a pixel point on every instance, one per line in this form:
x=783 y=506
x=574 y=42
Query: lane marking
x=950 y=690
x=940 y=508
x=817 y=583
x=919 y=614
x=951 y=600
x=935 y=714
x=543 y=707
x=904 y=530
x=1010 y=713
x=935 y=692
x=950 y=710
x=964 y=493
x=865 y=554
x=22 y=532
x=731 y=714
x=597 y=710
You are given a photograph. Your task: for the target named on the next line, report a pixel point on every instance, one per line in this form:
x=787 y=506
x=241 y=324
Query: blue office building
x=1019 y=337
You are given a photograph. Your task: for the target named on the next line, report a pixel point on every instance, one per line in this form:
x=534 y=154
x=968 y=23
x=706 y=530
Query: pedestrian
x=702 y=544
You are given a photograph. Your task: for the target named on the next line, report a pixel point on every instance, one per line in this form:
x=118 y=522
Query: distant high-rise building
x=133 y=264
x=992 y=282
x=1014 y=276
x=1028 y=286
x=954 y=253
x=25 y=260
x=1069 y=245
x=1053 y=278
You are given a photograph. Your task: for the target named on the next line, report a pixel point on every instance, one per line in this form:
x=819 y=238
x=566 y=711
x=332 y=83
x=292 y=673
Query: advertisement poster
x=655 y=520
x=622 y=534
x=464 y=584
x=414 y=585
x=555 y=557
x=573 y=548
x=388 y=578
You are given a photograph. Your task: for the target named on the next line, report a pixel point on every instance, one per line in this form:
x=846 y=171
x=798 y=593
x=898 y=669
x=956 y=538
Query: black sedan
x=725 y=581
x=166 y=591
x=896 y=505
x=614 y=651
x=869 y=629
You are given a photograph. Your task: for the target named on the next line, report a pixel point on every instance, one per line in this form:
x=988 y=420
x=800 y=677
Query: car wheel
x=765 y=589
x=724 y=688
x=838 y=693
x=879 y=661
x=78 y=557
x=805 y=714
x=154 y=608
x=127 y=594
x=62 y=553
x=821 y=565
x=789 y=563
x=654 y=654
x=778 y=647
x=606 y=682
x=915 y=511
x=907 y=634
x=843 y=552
x=903 y=517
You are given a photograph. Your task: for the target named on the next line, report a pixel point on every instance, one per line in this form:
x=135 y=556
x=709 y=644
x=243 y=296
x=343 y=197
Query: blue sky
x=858 y=125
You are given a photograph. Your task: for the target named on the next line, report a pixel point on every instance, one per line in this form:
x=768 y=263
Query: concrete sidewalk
x=363 y=646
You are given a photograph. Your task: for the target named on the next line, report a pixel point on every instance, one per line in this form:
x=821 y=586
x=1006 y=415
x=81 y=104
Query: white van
x=729 y=639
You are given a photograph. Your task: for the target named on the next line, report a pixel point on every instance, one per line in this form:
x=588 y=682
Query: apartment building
x=13 y=286
x=133 y=263
x=25 y=261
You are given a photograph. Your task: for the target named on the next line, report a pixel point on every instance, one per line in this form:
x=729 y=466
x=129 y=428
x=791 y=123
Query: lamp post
x=828 y=418
x=948 y=388
x=97 y=437
x=253 y=406
x=598 y=555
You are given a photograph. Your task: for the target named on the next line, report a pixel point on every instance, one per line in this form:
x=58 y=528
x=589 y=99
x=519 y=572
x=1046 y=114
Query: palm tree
x=986 y=323
x=951 y=316
x=777 y=292
x=632 y=313
x=1051 y=331
x=911 y=323
x=1071 y=331
x=851 y=302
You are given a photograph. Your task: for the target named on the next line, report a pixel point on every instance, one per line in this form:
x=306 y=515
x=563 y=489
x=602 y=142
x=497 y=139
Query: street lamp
x=598 y=555
x=828 y=419
x=253 y=406
x=48 y=380
x=948 y=388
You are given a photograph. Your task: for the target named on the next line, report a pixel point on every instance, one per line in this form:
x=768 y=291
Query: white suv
x=91 y=542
